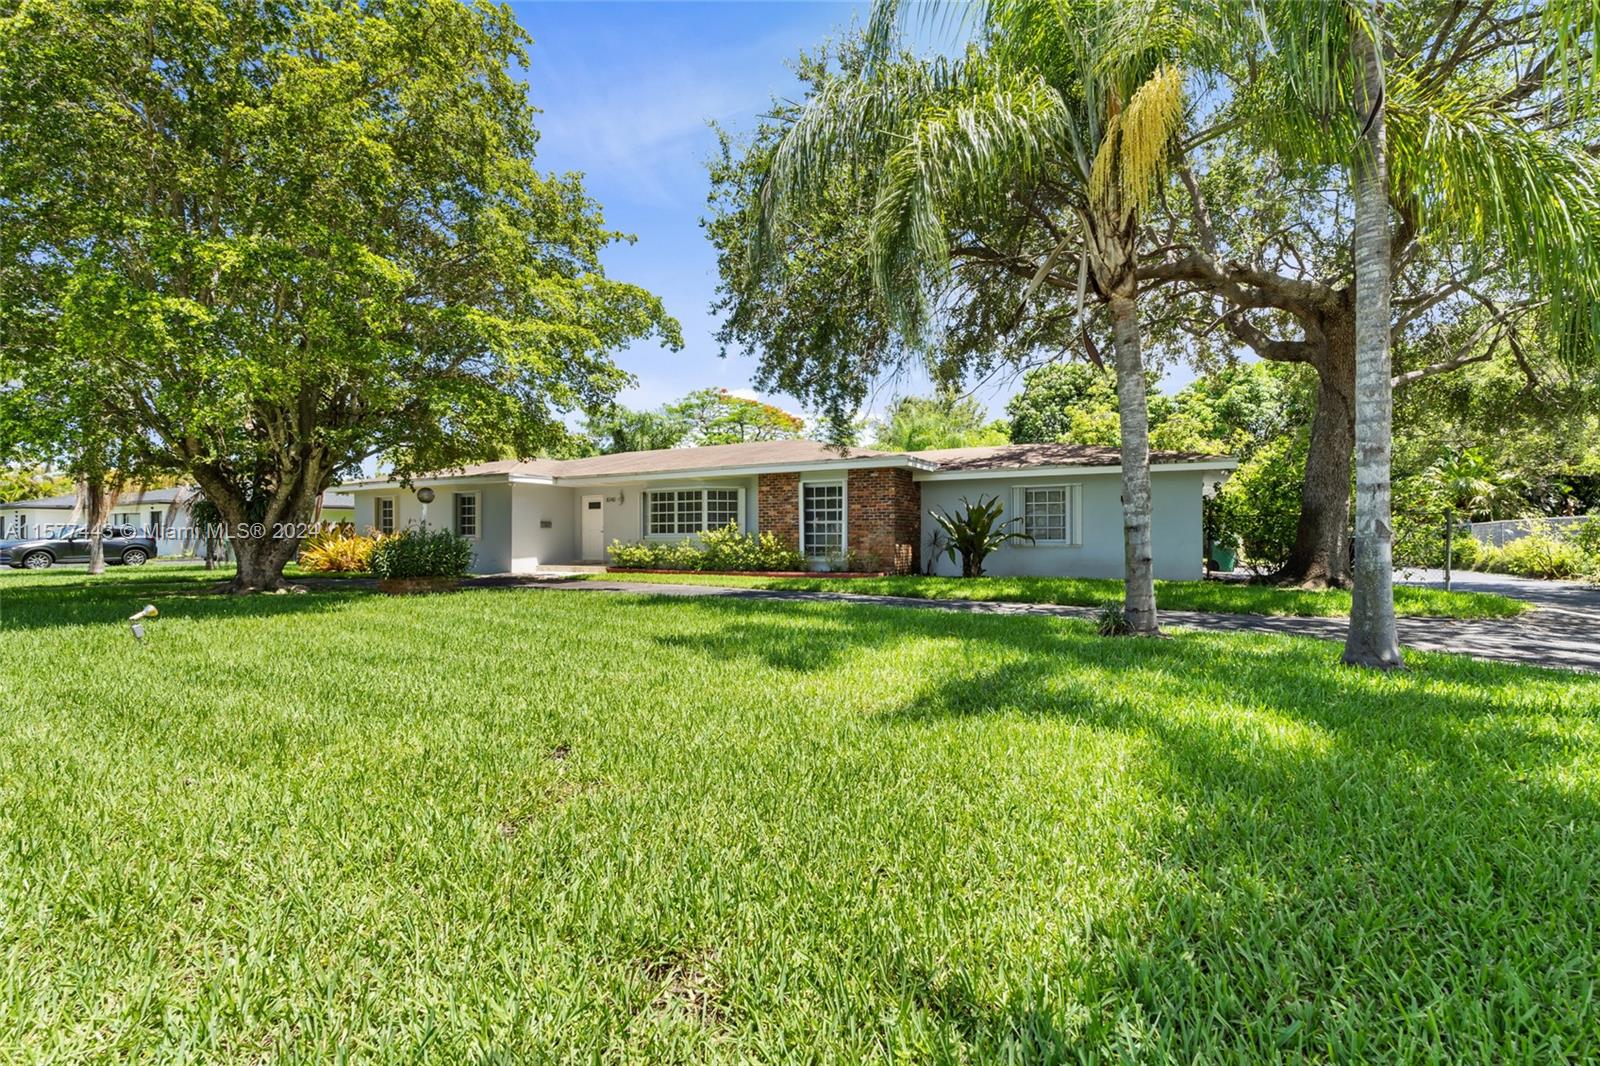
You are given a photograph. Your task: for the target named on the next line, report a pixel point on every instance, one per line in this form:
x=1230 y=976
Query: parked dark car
x=122 y=544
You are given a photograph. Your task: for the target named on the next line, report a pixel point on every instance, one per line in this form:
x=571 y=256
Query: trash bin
x=1223 y=558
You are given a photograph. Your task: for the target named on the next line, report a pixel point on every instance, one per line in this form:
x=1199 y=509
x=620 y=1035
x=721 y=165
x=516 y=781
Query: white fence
x=1501 y=533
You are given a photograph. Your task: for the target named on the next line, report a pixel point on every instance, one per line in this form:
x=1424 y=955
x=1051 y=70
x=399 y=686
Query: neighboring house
x=873 y=505
x=161 y=513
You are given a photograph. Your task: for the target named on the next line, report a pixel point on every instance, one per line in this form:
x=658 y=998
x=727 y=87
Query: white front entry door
x=594 y=529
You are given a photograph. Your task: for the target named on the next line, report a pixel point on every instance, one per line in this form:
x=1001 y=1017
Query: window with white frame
x=680 y=512
x=822 y=517
x=386 y=514
x=465 y=510
x=1049 y=513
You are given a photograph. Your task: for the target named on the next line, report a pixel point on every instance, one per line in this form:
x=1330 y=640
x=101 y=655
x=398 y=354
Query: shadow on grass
x=55 y=601
x=1345 y=864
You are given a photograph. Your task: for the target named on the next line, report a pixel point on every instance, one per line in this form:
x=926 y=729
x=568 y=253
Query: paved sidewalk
x=1568 y=637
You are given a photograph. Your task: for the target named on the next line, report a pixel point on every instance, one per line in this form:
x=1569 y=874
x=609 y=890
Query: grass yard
x=547 y=826
x=1215 y=596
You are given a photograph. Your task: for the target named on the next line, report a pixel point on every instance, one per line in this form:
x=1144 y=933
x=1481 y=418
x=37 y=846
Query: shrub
x=717 y=549
x=1111 y=621
x=728 y=549
x=1587 y=537
x=338 y=550
x=1259 y=506
x=421 y=552
x=1536 y=555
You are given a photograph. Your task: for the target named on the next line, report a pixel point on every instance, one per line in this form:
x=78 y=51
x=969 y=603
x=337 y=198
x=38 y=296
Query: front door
x=594 y=529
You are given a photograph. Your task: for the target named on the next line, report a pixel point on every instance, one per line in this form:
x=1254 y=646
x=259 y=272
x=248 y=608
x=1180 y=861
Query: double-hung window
x=680 y=512
x=385 y=514
x=1050 y=513
x=822 y=517
x=465 y=514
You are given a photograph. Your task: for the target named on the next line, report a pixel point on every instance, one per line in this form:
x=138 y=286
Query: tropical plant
x=1110 y=621
x=620 y=429
x=1051 y=101
x=338 y=550
x=1470 y=154
x=417 y=551
x=944 y=420
x=976 y=532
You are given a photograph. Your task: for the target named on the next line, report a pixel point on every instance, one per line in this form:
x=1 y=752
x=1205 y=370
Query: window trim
x=646 y=497
x=844 y=513
x=1074 y=522
x=477 y=515
x=377 y=514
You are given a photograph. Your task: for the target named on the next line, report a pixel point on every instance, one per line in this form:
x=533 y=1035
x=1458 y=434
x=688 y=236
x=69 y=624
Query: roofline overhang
x=1070 y=470
x=900 y=462
x=378 y=483
x=895 y=462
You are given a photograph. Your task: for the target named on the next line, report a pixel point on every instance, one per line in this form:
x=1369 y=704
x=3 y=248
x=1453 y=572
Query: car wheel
x=38 y=560
x=134 y=557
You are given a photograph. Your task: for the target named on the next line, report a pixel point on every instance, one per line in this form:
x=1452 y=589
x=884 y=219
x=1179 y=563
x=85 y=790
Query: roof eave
x=874 y=462
x=1065 y=469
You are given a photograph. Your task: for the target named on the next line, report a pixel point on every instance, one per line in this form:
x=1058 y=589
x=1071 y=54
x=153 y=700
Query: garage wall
x=1176 y=532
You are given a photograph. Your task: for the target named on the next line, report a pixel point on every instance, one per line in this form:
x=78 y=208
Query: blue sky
x=627 y=91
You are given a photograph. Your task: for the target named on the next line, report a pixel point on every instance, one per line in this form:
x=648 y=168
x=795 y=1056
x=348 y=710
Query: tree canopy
x=267 y=241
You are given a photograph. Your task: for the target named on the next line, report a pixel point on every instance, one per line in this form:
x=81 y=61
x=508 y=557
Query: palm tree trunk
x=1139 y=598
x=1372 y=640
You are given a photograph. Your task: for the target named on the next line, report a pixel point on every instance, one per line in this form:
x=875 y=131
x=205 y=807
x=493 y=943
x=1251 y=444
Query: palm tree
x=1439 y=143
x=1372 y=640
x=1079 y=99
x=1468 y=483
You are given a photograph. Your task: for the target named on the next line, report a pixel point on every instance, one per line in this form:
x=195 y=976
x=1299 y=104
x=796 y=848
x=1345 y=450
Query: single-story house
x=161 y=513
x=875 y=506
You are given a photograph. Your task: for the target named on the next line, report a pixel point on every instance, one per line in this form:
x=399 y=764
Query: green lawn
x=532 y=825
x=1215 y=596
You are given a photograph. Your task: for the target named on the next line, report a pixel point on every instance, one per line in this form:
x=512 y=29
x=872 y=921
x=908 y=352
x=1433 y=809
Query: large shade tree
x=294 y=236
x=1324 y=81
x=1492 y=159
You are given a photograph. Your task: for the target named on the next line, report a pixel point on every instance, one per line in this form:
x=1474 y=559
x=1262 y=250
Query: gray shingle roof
x=729 y=457
x=1023 y=456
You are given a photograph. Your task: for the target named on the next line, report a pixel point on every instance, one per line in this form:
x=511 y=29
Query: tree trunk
x=261 y=561
x=263 y=547
x=1372 y=640
x=1139 y=600
x=1321 y=554
x=97 y=506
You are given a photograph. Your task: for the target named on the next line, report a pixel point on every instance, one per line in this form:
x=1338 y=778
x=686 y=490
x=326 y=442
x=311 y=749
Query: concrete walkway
x=1565 y=632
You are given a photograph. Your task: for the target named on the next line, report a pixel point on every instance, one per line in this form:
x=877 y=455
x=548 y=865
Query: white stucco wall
x=1176 y=533
x=624 y=505
x=491 y=550
x=532 y=543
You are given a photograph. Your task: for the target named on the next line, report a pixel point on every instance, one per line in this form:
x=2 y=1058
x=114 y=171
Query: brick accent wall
x=884 y=508
x=778 y=506
x=883 y=514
